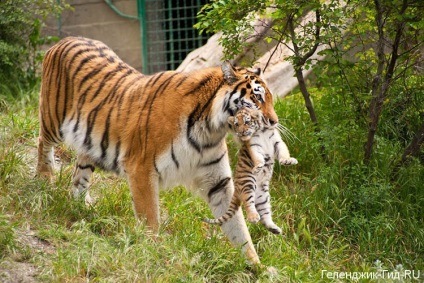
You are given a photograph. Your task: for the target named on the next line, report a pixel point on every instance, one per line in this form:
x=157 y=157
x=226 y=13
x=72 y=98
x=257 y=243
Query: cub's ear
x=231 y=120
x=229 y=72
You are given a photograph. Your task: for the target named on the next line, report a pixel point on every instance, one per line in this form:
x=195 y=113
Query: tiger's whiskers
x=286 y=133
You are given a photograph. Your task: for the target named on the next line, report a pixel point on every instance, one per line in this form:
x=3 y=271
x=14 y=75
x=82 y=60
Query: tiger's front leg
x=81 y=178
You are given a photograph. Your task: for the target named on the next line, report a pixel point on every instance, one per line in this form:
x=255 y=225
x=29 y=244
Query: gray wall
x=95 y=19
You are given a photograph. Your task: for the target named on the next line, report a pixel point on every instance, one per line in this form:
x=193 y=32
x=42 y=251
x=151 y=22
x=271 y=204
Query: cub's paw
x=275 y=230
x=258 y=168
x=253 y=217
x=289 y=161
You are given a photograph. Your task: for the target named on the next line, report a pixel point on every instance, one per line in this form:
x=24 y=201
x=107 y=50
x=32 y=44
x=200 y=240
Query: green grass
x=338 y=216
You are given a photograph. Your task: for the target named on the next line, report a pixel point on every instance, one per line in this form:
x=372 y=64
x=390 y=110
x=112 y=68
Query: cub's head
x=247 y=89
x=245 y=123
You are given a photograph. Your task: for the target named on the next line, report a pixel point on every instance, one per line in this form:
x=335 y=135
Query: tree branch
x=317 y=37
x=280 y=41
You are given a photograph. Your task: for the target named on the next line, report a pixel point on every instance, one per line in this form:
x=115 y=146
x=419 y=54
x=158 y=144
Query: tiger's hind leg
x=267 y=221
x=45 y=163
x=81 y=178
x=249 y=205
x=263 y=206
x=144 y=187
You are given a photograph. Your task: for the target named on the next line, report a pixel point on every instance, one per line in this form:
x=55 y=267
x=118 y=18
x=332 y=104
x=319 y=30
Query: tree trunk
x=380 y=84
x=414 y=147
x=306 y=96
x=311 y=110
x=412 y=150
x=298 y=66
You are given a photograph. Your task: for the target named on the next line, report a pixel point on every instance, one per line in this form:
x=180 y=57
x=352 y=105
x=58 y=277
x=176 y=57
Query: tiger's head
x=245 y=123
x=247 y=89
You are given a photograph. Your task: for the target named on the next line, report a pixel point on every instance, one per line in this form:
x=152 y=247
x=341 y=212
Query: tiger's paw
x=45 y=172
x=83 y=195
x=46 y=176
x=268 y=271
x=89 y=201
x=288 y=161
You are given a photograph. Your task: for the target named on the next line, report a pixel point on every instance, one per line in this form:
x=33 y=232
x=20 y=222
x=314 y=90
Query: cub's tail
x=234 y=206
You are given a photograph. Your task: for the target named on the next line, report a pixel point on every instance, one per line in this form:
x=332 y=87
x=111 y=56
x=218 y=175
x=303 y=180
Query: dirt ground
x=17 y=267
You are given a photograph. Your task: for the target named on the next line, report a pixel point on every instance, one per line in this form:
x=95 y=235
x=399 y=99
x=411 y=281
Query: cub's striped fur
x=162 y=130
x=261 y=145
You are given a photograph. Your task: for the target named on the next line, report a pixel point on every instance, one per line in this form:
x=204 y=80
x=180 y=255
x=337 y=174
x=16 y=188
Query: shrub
x=20 y=38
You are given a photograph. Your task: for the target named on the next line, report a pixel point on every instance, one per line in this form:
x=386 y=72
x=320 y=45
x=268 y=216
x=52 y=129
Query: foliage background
x=365 y=103
x=20 y=38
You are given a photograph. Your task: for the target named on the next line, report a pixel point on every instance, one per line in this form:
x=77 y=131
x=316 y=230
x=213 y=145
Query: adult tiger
x=158 y=131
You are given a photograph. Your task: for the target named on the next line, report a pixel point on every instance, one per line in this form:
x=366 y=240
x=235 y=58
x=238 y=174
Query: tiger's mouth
x=269 y=124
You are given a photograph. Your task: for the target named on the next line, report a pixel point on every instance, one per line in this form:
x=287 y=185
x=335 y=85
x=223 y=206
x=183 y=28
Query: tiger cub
x=254 y=168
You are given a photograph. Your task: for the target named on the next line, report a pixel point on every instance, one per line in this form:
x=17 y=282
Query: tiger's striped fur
x=253 y=172
x=162 y=130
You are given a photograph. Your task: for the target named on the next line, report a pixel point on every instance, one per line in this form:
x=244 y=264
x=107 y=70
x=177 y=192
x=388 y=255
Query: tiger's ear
x=229 y=72
x=257 y=71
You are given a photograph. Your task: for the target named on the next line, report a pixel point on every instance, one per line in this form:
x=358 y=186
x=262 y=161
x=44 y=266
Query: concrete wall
x=95 y=19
